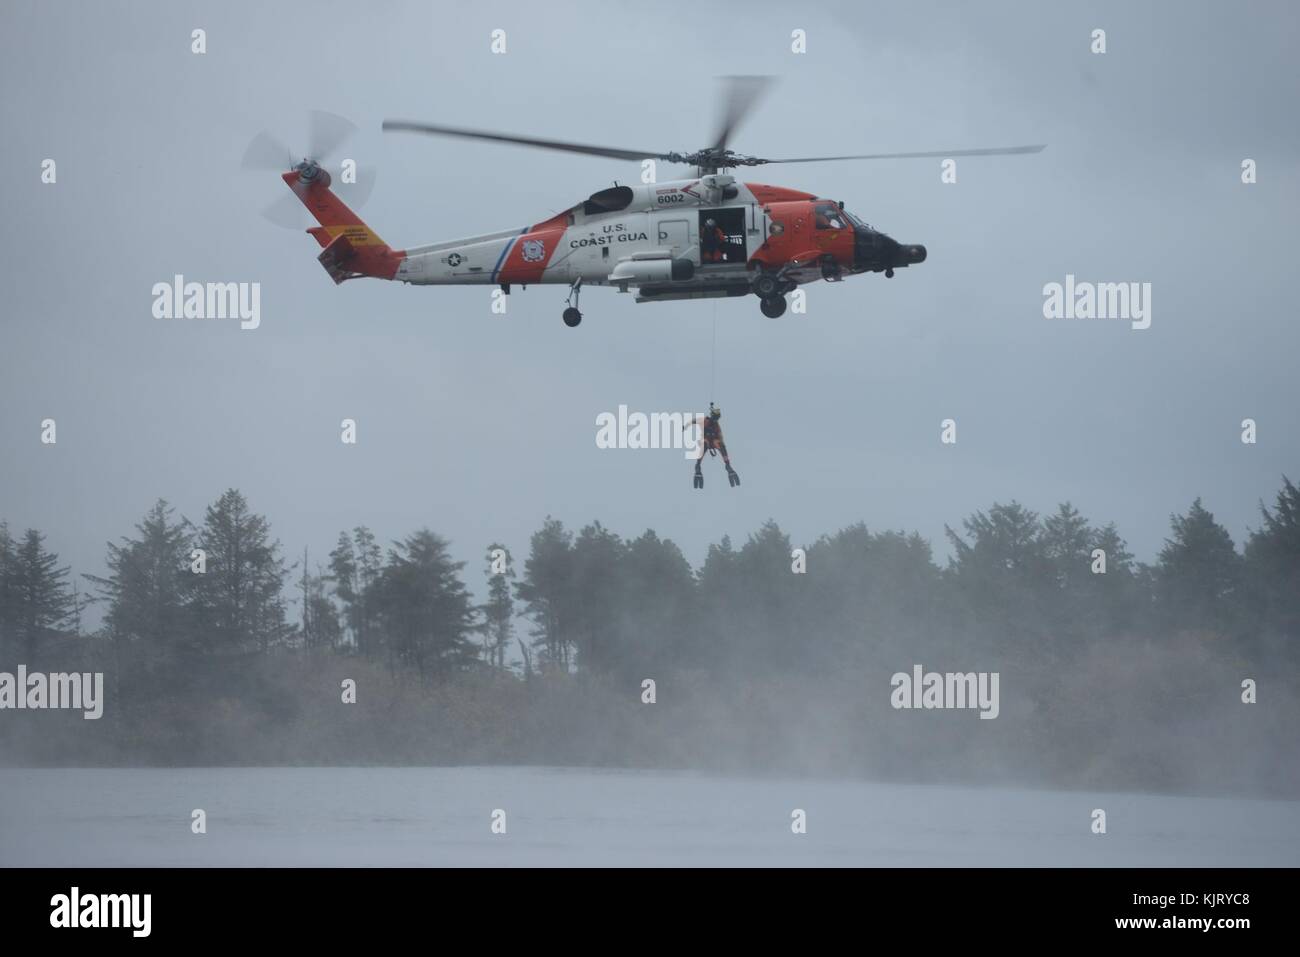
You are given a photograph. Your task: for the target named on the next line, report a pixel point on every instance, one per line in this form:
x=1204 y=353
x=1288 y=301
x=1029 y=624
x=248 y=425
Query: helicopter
x=706 y=236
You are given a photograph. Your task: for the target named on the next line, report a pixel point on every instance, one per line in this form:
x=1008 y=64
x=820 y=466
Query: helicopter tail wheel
x=773 y=307
x=766 y=285
x=572 y=317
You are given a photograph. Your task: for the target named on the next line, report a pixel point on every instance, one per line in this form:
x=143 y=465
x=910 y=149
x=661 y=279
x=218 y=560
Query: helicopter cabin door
x=675 y=234
x=722 y=235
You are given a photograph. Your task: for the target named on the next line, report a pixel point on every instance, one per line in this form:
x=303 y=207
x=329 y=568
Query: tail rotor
x=327 y=133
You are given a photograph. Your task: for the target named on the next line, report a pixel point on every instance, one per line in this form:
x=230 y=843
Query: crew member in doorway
x=713 y=243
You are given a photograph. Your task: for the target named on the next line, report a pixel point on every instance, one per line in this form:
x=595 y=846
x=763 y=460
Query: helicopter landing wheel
x=773 y=307
x=766 y=286
x=571 y=314
x=889 y=274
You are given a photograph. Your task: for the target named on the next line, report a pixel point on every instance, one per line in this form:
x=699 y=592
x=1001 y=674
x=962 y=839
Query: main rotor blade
x=326 y=132
x=739 y=97
x=605 y=151
x=267 y=153
x=994 y=151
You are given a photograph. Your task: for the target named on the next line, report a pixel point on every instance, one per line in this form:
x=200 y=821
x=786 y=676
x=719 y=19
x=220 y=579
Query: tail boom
x=350 y=248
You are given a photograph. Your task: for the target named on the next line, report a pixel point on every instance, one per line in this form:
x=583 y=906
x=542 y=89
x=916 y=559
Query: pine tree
x=864 y=591
x=1004 y=583
x=427 y=613
x=321 y=627
x=239 y=599
x=42 y=599
x=150 y=586
x=596 y=595
x=715 y=637
x=656 y=609
x=1273 y=562
x=343 y=574
x=1198 y=578
x=1065 y=538
x=1117 y=600
x=8 y=588
x=499 y=610
x=546 y=590
x=369 y=568
x=767 y=616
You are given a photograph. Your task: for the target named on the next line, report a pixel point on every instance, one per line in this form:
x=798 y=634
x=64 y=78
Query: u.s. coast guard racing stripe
x=506 y=252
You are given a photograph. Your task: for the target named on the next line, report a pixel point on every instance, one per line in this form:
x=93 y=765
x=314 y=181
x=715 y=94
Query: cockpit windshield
x=854 y=219
x=829 y=216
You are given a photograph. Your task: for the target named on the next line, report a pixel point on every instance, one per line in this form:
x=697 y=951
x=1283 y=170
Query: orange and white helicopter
x=708 y=236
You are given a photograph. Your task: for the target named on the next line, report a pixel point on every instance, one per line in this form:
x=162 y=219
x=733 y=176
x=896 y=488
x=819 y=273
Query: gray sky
x=479 y=425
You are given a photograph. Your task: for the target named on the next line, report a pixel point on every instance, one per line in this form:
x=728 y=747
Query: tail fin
x=352 y=249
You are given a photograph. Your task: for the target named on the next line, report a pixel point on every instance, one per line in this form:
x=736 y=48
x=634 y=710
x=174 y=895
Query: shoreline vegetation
x=1182 y=676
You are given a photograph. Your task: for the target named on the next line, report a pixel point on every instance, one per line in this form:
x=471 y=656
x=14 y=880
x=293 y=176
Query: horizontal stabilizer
x=335 y=259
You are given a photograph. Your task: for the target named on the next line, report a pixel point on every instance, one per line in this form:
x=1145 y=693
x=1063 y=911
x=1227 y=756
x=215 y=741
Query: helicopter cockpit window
x=855 y=220
x=829 y=216
x=608 y=200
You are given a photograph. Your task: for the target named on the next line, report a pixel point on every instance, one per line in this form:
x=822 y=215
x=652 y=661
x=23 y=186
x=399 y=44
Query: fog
x=1173 y=673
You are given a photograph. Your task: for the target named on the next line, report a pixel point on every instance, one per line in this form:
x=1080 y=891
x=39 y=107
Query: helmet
x=710 y=222
x=714 y=411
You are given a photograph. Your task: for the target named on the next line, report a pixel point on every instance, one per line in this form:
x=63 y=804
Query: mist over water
x=409 y=817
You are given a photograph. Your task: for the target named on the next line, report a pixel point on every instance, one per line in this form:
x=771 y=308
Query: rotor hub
x=713 y=159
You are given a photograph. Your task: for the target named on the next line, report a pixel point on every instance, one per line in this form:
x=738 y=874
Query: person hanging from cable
x=710 y=440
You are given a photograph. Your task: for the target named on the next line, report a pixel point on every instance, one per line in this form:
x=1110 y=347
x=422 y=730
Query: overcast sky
x=479 y=425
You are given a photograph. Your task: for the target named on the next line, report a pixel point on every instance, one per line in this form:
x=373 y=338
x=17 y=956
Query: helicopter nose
x=870 y=249
x=875 y=251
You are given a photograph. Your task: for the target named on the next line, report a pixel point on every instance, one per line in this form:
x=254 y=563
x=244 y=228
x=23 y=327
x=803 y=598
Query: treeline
x=182 y=591
x=1033 y=595
x=600 y=603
